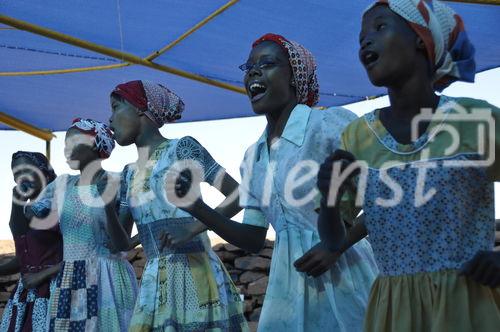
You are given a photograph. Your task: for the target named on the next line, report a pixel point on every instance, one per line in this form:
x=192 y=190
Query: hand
x=326 y=172
x=317 y=260
x=178 y=236
x=32 y=280
x=182 y=191
x=484 y=268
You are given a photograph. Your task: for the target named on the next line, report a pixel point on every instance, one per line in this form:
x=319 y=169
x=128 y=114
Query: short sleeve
x=189 y=149
x=494 y=169
x=253 y=214
x=45 y=202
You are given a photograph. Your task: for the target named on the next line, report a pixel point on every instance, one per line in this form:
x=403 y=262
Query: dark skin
x=19 y=224
x=83 y=155
x=131 y=126
x=400 y=64
x=269 y=68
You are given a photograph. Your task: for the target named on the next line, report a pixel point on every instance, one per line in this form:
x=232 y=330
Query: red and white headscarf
x=156 y=101
x=442 y=30
x=103 y=137
x=303 y=67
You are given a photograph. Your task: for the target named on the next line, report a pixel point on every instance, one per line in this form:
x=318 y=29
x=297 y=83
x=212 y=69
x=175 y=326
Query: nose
x=255 y=70
x=365 y=43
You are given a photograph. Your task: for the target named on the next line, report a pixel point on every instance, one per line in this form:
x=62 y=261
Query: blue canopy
x=51 y=99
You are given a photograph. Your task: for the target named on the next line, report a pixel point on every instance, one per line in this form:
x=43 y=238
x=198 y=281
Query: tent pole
x=47 y=149
x=22 y=25
x=186 y=34
x=477 y=2
x=10 y=121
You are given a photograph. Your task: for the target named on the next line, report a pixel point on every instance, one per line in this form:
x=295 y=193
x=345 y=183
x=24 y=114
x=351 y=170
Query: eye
x=267 y=64
x=381 y=26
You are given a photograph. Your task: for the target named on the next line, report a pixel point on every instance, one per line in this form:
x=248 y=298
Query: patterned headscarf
x=442 y=30
x=303 y=67
x=156 y=101
x=103 y=137
x=39 y=160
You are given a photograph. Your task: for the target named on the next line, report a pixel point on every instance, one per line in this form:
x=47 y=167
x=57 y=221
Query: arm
x=18 y=222
x=228 y=208
x=248 y=237
x=120 y=238
x=10 y=267
x=118 y=227
x=32 y=280
x=355 y=234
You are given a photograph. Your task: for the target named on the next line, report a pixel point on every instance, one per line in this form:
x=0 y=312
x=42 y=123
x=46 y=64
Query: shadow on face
x=28 y=177
x=390 y=50
x=79 y=149
x=125 y=121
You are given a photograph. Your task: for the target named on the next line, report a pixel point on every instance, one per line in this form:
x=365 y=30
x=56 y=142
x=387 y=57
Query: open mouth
x=256 y=91
x=369 y=58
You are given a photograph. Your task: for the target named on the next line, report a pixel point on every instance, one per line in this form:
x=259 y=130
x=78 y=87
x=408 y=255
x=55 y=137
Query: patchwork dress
x=27 y=309
x=184 y=288
x=96 y=289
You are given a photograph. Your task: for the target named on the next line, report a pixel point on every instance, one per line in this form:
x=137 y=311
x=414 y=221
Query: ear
x=420 y=44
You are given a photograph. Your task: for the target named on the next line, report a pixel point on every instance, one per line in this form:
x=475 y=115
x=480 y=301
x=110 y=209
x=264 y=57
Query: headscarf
x=103 y=137
x=448 y=48
x=39 y=160
x=156 y=101
x=303 y=68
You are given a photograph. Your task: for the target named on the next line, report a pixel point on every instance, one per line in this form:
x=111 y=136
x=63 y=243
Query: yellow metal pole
x=10 y=121
x=47 y=149
x=22 y=25
x=186 y=34
x=477 y=2
x=63 y=71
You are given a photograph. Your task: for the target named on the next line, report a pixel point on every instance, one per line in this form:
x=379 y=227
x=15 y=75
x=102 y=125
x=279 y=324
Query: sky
x=226 y=140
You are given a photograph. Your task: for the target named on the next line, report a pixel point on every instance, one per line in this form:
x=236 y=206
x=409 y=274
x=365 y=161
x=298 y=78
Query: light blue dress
x=279 y=188
x=95 y=289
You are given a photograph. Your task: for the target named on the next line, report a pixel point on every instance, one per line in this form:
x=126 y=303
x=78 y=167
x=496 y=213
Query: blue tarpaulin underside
x=328 y=28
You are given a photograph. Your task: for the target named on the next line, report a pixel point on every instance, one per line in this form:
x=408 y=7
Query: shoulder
x=332 y=118
x=188 y=147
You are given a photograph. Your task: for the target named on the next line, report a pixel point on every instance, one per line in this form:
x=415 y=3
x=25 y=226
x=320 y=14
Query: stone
x=252 y=263
x=260 y=299
x=140 y=263
x=10 y=278
x=4 y=296
x=138 y=271
x=232 y=248
x=269 y=244
x=266 y=252
x=251 y=276
x=10 y=288
x=258 y=287
x=218 y=247
x=252 y=326
x=227 y=256
x=132 y=254
x=249 y=305
x=254 y=316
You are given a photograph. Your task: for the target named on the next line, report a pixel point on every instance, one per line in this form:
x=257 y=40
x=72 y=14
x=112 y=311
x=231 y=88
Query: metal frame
x=130 y=59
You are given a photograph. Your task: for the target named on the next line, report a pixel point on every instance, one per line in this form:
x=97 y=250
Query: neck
x=91 y=172
x=276 y=121
x=409 y=97
x=147 y=142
